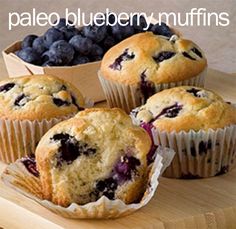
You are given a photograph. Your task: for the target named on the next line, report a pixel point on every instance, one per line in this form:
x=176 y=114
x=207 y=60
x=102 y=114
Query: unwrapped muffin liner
x=128 y=97
x=19 y=138
x=199 y=154
x=20 y=179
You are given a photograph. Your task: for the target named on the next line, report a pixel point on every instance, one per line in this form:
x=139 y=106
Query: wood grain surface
x=181 y=204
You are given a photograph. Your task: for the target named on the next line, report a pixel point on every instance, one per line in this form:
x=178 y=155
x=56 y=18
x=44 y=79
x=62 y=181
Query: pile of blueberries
x=65 y=45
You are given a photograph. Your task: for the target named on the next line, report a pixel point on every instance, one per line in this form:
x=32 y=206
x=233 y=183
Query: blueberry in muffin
x=97 y=153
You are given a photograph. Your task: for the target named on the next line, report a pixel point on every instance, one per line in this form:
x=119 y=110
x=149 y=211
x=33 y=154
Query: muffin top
x=97 y=152
x=186 y=108
x=38 y=97
x=149 y=57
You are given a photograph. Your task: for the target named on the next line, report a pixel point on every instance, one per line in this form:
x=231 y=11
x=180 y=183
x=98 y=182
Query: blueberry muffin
x=146 y=63
x=197 y=123
x=29 y=106
x=98 y=152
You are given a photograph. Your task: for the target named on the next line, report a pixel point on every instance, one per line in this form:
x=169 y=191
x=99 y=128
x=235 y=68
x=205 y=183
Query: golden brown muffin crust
x=187 y=108
x=137 y=54
x=38 y=97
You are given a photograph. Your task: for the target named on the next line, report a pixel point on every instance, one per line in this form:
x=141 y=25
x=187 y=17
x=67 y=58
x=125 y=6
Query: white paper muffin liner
x=199 y=154
x=129 y=97
x=20 y=179
x=19 y=138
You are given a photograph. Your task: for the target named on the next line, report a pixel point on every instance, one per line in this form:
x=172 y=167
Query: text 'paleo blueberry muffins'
x=98 y=152
x=29 y=106
x=146 y=63
x=198 y=124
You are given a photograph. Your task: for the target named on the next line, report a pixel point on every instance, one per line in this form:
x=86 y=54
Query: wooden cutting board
x=179 y=204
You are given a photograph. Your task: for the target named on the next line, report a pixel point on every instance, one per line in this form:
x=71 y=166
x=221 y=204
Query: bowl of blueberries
x=71 y=53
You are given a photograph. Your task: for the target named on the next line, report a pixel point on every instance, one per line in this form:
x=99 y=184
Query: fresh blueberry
x=111 y=18
x=51 y=36
x=46 y=56
x=120 y=32
x=17 y=52
x=80 y=60
x=61 y=52
x=139 y=23
x=125 y=56
x=150 y=27
x=29 y=55
x=162 y=29
x=96 y=58
x=6 y=87
x=83 y=45
x=111 y=21
x=108 y=42
x=38 y=45
x=69 y=32
x=95 y=33
x=96 y=50
x=28 y=41
x=48 y=63
x=62 y=23
x=163 y=56
x=100 y=21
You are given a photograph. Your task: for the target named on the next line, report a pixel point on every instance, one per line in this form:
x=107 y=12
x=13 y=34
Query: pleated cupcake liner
x=19 y=138
x=199 y=154
x=20 y=179
x=129 y=97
